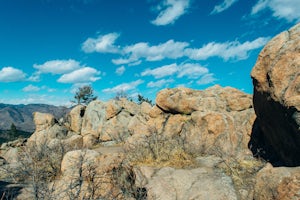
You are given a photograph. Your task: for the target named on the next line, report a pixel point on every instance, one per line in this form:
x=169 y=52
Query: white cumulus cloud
x=206 y=79
x=285 y=9
x=160 y=72
x=57 y=66
x=83 y=75
x=169 y=49
x=101 y=44
x=10 y=74
x=170 y=11
x=160 y=83
x=31 y=88
x=223 y=6
x=120 y=70
x=191 y=70
x=124 y=87
x=228 y=50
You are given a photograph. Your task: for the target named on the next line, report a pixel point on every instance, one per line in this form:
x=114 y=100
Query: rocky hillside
x=212 y=144
x=21 y=115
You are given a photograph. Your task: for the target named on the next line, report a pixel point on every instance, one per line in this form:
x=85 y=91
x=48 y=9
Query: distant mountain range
x=21 y=115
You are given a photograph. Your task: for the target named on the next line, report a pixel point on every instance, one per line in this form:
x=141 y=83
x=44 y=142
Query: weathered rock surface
x=281 y=183
x=214 y=121
x=276 y=80
x=200 y=183
x=43 y=121
x=88 y=174
x=186 y=101
x=75 y=118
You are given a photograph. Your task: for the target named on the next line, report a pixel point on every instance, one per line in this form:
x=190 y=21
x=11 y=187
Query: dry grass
x=160 y=151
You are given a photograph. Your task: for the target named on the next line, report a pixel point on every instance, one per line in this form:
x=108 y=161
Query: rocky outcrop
x=281 y=183
x=206 y=133
x=213 y=121
x=276 y=98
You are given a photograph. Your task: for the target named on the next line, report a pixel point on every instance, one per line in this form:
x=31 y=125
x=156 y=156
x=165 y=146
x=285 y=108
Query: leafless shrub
x=160 y=150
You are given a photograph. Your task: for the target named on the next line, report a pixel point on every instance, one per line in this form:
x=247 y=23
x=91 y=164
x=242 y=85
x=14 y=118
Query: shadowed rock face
x=276 y=80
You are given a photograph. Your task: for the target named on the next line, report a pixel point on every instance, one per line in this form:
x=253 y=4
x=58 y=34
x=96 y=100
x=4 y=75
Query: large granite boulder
x=186 y=101
x=276 y=81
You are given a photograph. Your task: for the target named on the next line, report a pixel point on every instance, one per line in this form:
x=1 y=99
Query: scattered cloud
x=170 y=11
x=189 y=70
x=169 y=49
x=134 y=54
x=160 y=83
x=282 y=9
x=56 y=67
x=44 y=87
x=31 y=88
x=124 y=87
x=206 y=79
x=192 y=70
x=228 y=50
x=10 y=74
x=101 y=44
x=120 y=71
x=83 y=75
x=223 y=6
x=160 y=72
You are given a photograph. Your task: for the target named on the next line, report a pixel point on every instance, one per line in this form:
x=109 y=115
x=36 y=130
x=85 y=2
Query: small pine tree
x=84 y=95
x=142 y=99
x=13 y=132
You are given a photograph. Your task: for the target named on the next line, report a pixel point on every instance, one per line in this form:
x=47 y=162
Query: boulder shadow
x=260 y=147
x=8 y=190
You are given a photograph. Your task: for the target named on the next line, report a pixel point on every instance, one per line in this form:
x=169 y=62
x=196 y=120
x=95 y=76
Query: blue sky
x=49 y=48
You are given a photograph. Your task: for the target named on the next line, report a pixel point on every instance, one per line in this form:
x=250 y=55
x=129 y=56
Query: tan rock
x=199 y=183
x=87 y=174
x=216 y=98
x=88 y=141
x=276 y=96
x=116 y=129
x=138 y=125
x=94 y=118
x=281 y=183
x=112 y=109
x=145 y=108
x=129 y=106
x=178 y=100
x=43 y=121
x=155 y=112
x=174 y=124
x=73 y=142
x=75 y=118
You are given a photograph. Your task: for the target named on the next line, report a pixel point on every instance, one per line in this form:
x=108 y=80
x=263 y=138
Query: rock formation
x=276 y=98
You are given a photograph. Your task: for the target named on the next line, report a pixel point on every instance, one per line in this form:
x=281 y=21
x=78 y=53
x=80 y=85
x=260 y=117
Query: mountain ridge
x=22 y=115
